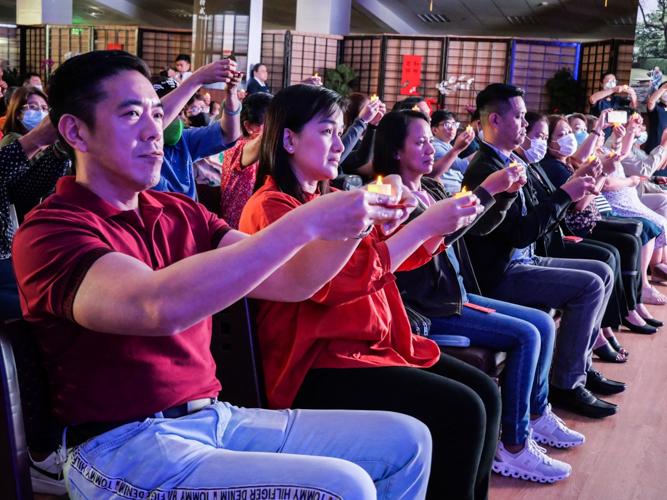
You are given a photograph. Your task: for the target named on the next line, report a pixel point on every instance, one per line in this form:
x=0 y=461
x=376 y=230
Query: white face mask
x=567 y=145
x=610 y=85
x=536 y=151
x=642 y=138
x=39 y=87
x=480 y=135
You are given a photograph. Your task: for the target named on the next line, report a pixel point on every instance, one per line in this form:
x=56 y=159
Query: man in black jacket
x=508 y=269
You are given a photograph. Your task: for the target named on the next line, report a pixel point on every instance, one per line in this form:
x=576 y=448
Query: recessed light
x=544 y=4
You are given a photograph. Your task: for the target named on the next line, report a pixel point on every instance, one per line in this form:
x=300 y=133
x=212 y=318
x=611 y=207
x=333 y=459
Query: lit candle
x=378 y=187
x=415 y=108
x=592 y=158
x=315 y=75
x=462 y=193
x=469 y=128
x=374 y=98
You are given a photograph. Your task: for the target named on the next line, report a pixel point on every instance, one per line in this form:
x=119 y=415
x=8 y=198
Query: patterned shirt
x=236 y=184
x=20 y=181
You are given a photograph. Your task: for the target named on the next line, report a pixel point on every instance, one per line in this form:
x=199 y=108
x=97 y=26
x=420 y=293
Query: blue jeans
x=10 y=306
x=527 y=335
x=224 y=452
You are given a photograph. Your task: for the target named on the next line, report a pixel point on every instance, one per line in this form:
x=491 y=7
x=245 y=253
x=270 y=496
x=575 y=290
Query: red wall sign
x=411 y=76
x=114 y=46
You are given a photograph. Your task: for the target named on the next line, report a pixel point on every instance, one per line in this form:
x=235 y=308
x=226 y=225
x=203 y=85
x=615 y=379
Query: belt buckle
x=198 y=404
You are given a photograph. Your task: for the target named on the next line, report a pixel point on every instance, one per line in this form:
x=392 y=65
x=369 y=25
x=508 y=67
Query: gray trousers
x=581 y=290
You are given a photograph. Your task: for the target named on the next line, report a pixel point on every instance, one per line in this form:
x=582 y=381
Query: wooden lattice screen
x=431 y=49
x=275 y=57
x=159 y=48
x=595 y=61
x=534 y=62
x=364 y=55
x=483 y=60
x=312 y=53
x=10 y=49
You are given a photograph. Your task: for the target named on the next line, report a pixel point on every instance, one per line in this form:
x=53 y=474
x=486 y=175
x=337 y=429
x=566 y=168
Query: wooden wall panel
x=535 y=63
x=364 y=55
x=274 y=44
x=312 y=54
x=432 y=52
x=485 y=60
x=159 y=48
x=595 y=61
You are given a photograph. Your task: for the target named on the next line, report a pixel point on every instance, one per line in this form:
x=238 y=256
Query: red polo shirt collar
x=86 y=199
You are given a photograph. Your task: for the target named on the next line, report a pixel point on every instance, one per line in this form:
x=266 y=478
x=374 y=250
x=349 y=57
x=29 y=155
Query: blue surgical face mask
x=642 y=138
x=32 y=117
x=580 y=136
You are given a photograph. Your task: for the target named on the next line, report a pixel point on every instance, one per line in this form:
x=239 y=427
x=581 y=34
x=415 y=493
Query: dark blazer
x=433 y=289
x=491 y=254
x=252 y=87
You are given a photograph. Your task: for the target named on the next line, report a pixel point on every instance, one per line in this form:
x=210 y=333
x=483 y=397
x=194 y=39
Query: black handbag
x=419 y=324
x=626 y=225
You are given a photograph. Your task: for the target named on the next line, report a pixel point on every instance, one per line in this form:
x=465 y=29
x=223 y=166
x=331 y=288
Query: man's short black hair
x=495 y=99
x=254 y=109
x=28 y=76
x=76 y=86
x=440 y=116
x=407 y=103
x=183 y=57
x=605 y=75
x=475 y=115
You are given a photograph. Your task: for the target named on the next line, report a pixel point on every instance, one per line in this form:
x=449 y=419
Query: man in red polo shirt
x=120 y=284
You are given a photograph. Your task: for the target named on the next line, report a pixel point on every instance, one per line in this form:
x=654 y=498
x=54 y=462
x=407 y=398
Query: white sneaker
x=550 y=429
x=530 y=463
x=47 y=475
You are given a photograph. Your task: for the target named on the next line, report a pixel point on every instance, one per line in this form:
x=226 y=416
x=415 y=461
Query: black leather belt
x=79 y=434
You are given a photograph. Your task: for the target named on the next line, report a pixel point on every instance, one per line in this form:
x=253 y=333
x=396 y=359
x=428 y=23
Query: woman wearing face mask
x=657 y=117
x=350 y=345
x=28 y=107
x=582 y=220
x=619 y=250
x=579 y=126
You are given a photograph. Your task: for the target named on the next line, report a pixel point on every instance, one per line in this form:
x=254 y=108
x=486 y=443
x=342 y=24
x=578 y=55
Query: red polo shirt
x=357 y=320
x=97 y=376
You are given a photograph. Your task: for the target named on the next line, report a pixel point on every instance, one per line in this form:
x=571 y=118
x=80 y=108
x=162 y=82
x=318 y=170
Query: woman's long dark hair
x=292 y=108
x=390 y=139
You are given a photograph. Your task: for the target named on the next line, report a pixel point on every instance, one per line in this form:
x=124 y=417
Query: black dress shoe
x=581 y=401
x=596 y=382
x=646 y=329
x=654 y=322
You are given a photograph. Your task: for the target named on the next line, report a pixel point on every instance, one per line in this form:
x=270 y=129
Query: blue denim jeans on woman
x=527 y=335
x=224 y=452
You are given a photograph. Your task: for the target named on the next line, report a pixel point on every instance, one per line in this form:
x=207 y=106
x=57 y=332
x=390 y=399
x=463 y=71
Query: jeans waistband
x=80 y=433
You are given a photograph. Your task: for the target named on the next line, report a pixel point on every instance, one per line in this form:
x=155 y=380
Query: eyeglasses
x=33 y=106
x=195 y=110
x=450 y=125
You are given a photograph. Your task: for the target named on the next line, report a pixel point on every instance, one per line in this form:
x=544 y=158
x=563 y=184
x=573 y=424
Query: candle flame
x=415 y=108
x=374 y=98
x=464 y=190
x=379 y=179
x=592 y=158
x=315 y=75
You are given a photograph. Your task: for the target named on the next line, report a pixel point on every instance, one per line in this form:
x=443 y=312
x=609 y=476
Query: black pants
x=630 y=249
x=459 y=404
x=617 y=307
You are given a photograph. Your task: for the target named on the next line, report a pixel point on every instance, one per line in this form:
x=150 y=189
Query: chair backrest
x=235 y=348
x=210 y=197
x=14 y=460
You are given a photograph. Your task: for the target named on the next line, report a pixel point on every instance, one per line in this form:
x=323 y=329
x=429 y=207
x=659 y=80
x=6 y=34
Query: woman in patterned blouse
x=21 y=181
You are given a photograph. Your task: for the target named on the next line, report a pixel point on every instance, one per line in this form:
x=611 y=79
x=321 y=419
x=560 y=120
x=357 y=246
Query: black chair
x=210 y=197
x=235 y=348
x=14 y=460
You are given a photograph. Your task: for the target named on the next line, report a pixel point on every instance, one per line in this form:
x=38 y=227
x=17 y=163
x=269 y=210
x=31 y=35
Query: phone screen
x=617 y=117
